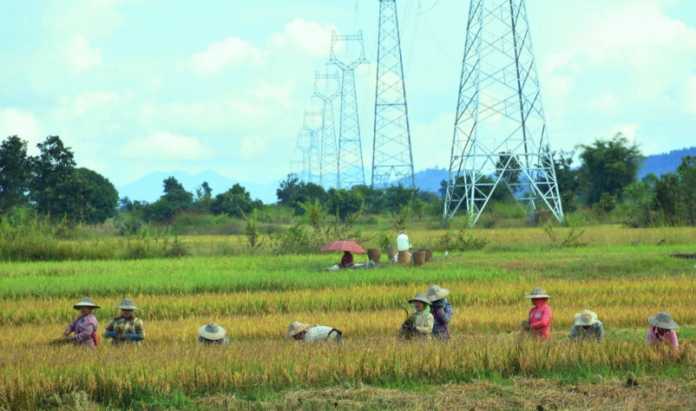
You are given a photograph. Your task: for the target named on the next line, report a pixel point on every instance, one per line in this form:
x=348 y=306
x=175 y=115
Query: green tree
x=608 y=166
x=345 y=202
x=375 y=200
x=15 y=173
x=52 y=182
x=287 y=188
x=306 y=193
x=204 y=197
x=567 y=179
x=235 y=202
x=99 y=195
x=175 y=200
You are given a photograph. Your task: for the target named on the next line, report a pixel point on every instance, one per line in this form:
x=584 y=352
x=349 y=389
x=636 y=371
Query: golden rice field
x=625 y=275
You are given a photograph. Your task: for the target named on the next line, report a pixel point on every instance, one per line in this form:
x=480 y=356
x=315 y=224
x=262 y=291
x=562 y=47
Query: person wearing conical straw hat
x=587 y=327
x=539 y=322
x=84 y=328
x=126 y=329
x=420 y=322
x=318 y=333
x=441 y=310
x=662 y=331
x=212 y=334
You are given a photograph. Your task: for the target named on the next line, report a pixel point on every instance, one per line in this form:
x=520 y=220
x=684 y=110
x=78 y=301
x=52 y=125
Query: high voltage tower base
x=328 y=176
x=310 y=135
x=351 y=170
x=500 y=134
x=392 y=158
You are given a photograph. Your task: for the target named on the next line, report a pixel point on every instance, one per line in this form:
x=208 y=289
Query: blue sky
x=137 y=86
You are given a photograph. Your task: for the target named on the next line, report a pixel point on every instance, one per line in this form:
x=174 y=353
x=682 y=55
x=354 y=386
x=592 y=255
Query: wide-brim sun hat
x=435 y=293
x=127 y=304
x=295 y=328
x=585 y=318
x=86 y=302
x=422 y=297
x=663 y=320
x=212 y=331
x=537 y=292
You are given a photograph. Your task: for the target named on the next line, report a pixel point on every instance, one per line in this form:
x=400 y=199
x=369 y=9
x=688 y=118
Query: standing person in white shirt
x=307 y=333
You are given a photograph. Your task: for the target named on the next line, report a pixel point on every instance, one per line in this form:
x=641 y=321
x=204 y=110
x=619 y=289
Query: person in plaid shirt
x=126 y=329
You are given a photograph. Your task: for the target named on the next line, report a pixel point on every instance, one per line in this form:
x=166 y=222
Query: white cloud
x=18 y=122
x=218 y=56
x=90 y=100
x=690 y=90
x=83 y=57
x=310 y=37
x=166 y=146
x=251 y=147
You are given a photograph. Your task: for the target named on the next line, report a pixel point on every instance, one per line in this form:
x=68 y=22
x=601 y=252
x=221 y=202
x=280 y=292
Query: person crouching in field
x=126 y=329
x=662 y=331
x=85 y=326
x=318 y=333
x=420 y=323
x=539 y=322
x=347 y=261
x=587 y=327
x=441 y=310
x=212 y=334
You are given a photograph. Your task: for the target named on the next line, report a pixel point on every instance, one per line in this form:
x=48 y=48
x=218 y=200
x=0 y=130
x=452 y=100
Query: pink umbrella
x=351 y=246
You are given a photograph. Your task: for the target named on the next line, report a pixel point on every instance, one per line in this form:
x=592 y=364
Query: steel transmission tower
x=328 y=176
x=310 y=134
x=392 y=157
x=500 y=134
x=351 y=169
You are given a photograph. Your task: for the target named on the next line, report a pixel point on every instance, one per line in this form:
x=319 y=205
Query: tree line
x=605 y=179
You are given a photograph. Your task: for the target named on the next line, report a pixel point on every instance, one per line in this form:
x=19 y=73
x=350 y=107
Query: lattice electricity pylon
x=351 y=168
x=312 y=129
x=328 y=176
x=392 y=156
x=303 y=144
x=500 y=131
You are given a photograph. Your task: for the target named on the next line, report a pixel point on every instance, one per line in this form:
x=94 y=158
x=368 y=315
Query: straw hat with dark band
x=422 y=297
x=663 y=320
x=586 y=318
x=295 y=328
x=435 y=293
x=212 y=331
x=86 y=302
x=127 y=304
x=537 y=292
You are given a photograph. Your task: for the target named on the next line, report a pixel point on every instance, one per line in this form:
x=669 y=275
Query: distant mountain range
x=149 y=188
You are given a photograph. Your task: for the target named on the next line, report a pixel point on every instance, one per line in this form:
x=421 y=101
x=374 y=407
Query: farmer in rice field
x=347 y=261
x=85 y=326
x=441 y=310
x=587 y=327
x=317 y=333
x=126 y=329
x=419 y=323
x=539 y=323
x=212 y=334
x=662 y=331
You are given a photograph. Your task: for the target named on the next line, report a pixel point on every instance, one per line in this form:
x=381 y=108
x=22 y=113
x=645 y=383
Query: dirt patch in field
x=520 y=394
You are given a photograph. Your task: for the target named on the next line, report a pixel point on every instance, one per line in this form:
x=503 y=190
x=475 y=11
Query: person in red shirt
x=539 y=322
x=347 y=260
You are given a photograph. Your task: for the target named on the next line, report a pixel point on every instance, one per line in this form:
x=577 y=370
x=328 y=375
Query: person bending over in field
x=318 y=333
x=126 y=329
x=347 y=260
x=85 y=326
x=441 y=310
x=587 y=327
x=662 y=331
x=212 y=334
x=539 y=323
x=419 y=323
